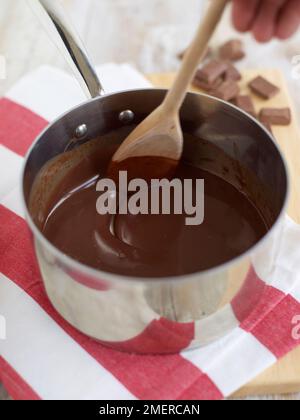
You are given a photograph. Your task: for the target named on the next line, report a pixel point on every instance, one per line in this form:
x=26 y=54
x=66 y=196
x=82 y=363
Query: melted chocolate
x=150 y=245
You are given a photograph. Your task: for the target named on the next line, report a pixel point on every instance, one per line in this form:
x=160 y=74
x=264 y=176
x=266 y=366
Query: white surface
x=49 y=82
x=239 y=350
x=146 y=33
x=13 y=201
x=10 y=171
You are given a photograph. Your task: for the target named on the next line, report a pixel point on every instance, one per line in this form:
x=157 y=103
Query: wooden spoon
x=160 y=134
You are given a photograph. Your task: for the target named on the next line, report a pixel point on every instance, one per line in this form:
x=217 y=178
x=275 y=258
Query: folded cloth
x=43 y=357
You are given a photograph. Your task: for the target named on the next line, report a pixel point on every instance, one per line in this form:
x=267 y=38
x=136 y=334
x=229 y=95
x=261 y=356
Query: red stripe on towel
x=19 y=126
x=14 y=384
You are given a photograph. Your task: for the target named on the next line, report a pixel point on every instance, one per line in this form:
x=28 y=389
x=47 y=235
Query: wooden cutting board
x=284 y=377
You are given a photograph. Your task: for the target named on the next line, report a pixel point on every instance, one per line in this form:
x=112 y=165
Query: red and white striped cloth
x=43 y=357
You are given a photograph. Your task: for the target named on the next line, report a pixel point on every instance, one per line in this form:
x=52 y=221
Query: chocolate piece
x=232 y=50
x=227 y=90
x=211 y=71
x=276 y=116
x=245 y=103
x=149 y=245
x=207 y=87
x=263 y=88
x=232 y=73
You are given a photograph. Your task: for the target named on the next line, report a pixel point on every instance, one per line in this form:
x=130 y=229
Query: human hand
x=267 y=18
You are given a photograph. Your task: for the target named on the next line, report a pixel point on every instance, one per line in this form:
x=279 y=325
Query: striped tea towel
x=43 y=357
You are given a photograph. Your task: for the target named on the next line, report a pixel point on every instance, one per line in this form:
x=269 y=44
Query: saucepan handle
x=53 y=18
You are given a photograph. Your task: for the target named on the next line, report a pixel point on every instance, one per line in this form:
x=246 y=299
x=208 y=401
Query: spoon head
x=152 y=150
x=157 y=136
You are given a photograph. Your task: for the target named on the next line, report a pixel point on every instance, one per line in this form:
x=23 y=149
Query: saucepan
x=153 y=315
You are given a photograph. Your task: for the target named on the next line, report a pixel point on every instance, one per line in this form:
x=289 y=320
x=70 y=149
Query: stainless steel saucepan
x=152 y=315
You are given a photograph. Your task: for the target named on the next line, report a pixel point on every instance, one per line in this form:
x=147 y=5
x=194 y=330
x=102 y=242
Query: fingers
x=289 y=19
x=264 y=25
x=244 y=12
x=267 y=18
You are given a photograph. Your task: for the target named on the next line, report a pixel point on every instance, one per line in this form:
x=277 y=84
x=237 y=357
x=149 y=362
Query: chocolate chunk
x=232 y=73
x=245 y=103
x=263 y=88
x=232 y=50
x=227 y=90
x=276 y=116
x=211 y=71
x=207 y=87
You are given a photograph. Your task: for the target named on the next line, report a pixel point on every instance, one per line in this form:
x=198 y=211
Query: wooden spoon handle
x=177 y=93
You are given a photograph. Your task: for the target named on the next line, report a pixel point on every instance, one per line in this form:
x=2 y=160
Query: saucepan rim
x=100 y=275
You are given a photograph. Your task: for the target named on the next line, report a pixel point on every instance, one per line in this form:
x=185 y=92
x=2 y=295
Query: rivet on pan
x=81 y=131
x=126 y=116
